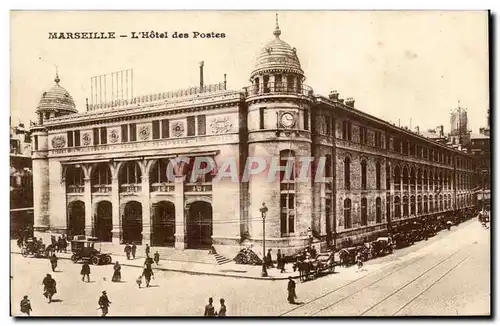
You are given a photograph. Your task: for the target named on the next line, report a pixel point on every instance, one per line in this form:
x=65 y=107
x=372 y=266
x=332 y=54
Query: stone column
x=322 y=217
x=146 y=211
x=115 y=206
x=180 y=214
x=88 y=207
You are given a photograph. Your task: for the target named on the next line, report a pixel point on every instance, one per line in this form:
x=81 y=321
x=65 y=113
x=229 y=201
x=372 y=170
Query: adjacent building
x=103 y=172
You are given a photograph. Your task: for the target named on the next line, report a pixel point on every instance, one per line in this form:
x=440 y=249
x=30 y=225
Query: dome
x=277 y=55
x=56 y=99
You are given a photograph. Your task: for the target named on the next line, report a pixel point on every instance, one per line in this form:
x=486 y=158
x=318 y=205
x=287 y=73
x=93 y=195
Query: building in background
x=459 y=133
x=103 y=172
x=481 y=151
x=21 y=179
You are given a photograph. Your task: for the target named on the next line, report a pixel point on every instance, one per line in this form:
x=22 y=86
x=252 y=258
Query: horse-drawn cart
x=311 y=268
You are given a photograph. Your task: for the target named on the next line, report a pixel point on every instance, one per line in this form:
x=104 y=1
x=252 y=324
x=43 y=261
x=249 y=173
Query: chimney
x=350 y=102
x=341 y=100
x=201 y=74
x=334 y=96
x=417 y=129
x=441 y=131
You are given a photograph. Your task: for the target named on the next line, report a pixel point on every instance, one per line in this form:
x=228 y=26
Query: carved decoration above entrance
x=114 y=136
x=58 y=142
x=86 y=139
x=144 y=133
x=178 y=129
x=221 y=125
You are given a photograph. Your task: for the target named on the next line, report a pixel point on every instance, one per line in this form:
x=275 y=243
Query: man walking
x=291 y=290
x=134 y=249
x=222 y=310
x=147 y=273
x=53 y=262
x=49 y=287
x=104 y=304
x=85 y=272
x=127 y=250
x=26 y=305
x=157 y=257
x=147 y=250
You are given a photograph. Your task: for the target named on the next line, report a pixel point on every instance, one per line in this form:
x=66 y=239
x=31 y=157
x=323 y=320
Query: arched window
x=426 y=205
x=426 y=180
x=436 y=182
x=130 y=173
x=405 y=178
x=397 y=178
x=257 y=85
x=363 y=175
x=378 y=210
x=328 y=166
x=397 y=207
x=419 y=205
x=412 y=179
x=387 y=177
x=388 y=208
x=287 y=193
x=377 y=176
x=436 y=204
x=413 y=206
x=431 y=205
x=419 y=179
x=405 y=206
x=441 y=202
x=347 y=173
x=364 y=209
x=347 y=214
x=431 y=180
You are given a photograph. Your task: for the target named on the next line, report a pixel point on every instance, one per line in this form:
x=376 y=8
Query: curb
x=270 y=278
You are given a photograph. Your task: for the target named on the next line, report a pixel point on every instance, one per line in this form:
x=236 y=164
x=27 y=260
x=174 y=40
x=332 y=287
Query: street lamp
x=263 y=211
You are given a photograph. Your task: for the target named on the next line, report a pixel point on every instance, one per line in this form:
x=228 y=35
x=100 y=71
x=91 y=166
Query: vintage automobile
x=84 y=249
x=35 y=248
x=381 y=247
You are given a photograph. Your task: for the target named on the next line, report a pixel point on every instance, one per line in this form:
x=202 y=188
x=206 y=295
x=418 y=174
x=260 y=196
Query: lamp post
x=263 y=211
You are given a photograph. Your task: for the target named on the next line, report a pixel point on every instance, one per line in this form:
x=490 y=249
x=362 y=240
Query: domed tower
x=54 y=103
x=279 y=126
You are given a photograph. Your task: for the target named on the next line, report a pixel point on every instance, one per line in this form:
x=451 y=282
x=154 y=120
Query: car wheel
x=107 y=260
x=74 y=258
x=24 y=252
x=94 y=260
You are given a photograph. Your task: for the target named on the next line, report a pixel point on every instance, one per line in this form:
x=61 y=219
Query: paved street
x=447 y=275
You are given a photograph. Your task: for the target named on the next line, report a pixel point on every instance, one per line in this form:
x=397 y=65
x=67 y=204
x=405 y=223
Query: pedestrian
x=64 y=243
x=26 y=305
x=104 y=303
x=147 y=250
x=291 y=290
x=59 y=245
x=359 y=260
x=134 y=249
x=157 y=257
x=53 y=262
x=147 y=273
x=117 y=274
x=20 y=242
x=269 y=259
x=209 y=308
x=85 y=272
x=148 y=262
x=139 y=281
x=313 y=252
x=127 y=250
x=53 y=240
x=49 y=287
x=278 y=259
x=222 y=310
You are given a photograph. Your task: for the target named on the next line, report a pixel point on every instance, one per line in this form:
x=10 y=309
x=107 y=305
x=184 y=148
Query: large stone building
x=102 y=172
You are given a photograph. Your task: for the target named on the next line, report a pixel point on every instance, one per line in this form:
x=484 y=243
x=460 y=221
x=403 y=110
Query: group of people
x=59 y=245
x=280 y=260
x=210 y=309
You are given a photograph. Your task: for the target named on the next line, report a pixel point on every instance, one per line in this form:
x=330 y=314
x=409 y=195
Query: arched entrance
x=132 y=222
x=199 y=226
x=104 y=221
x=76 y=218
x=163 y=224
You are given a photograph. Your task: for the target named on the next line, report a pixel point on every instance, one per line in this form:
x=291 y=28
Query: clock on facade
x=287 y=119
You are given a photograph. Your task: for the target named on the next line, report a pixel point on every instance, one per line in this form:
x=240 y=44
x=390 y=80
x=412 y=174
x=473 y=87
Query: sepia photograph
x=250 y=163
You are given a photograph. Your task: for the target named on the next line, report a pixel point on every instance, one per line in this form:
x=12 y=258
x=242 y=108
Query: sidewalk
x=229 y=269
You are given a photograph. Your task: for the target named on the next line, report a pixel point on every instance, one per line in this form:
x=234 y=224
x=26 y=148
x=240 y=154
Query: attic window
x=44 y=93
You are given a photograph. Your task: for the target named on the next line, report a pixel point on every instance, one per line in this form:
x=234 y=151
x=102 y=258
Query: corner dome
x=57 y=99
x=277 y=55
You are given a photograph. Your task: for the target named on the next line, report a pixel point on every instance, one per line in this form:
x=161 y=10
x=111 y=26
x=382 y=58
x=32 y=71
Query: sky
x=409 y=68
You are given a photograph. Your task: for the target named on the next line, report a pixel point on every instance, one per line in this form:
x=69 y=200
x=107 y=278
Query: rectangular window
x=104 y=135
x=306 y=120
x=261 y=118
x=363 y=135
x=328 y=125
x=36 y=143
x=96 y=136
x=124 y=133
x=349 y=131
x=70 y=138
x=165 y=132
x=202 y=125
x=133 y=132
x=191 y=126
x=156 y=129
x=77 y=138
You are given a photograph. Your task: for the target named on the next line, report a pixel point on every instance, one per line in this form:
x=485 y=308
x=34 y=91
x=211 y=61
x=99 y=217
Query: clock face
x=287 y=119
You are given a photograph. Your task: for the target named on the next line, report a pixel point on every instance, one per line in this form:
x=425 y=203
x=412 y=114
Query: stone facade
x=102 y=172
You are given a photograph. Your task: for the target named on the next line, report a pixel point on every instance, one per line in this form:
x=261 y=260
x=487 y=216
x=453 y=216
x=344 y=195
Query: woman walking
x=117 y=275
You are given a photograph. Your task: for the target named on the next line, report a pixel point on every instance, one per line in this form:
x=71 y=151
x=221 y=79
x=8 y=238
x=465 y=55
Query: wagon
x=84 y=250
